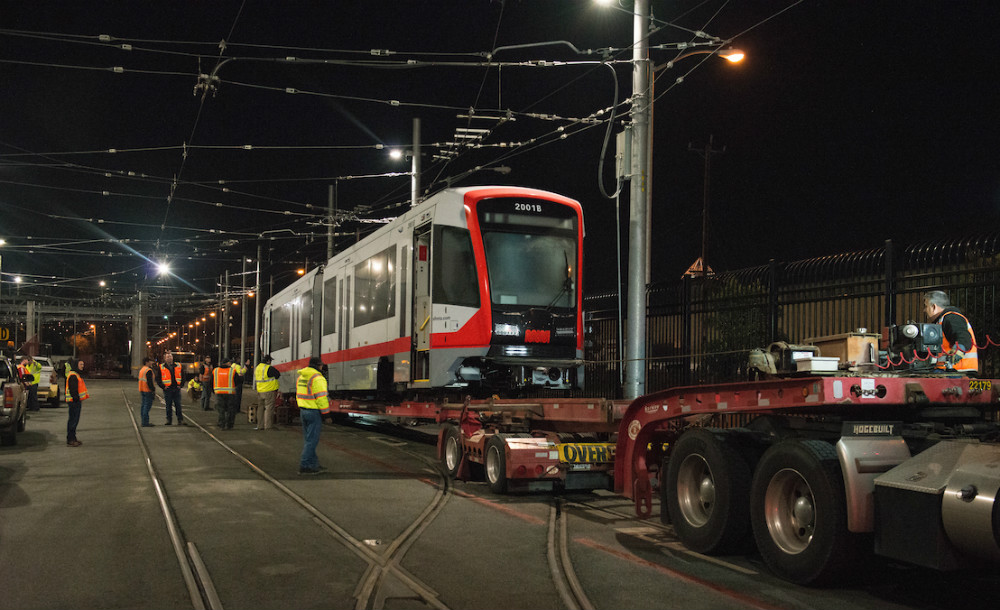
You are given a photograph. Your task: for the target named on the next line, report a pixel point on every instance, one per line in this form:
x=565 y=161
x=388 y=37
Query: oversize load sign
x=592 y=453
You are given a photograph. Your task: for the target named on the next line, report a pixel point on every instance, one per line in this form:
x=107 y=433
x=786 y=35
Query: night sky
x=849 y=123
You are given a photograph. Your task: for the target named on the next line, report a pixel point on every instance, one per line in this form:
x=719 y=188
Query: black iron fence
x=699 y=330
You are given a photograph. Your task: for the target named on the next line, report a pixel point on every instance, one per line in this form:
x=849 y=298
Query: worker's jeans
x=172 y=396
x=206 y=396
x=144 y=406
x=312 y=424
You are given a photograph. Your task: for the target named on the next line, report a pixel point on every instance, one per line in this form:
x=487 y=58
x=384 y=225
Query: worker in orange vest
x=76 y=393
x=224 y=385
x=205 y=376
x=147 y=391
x=170 y=381
x=959 y=341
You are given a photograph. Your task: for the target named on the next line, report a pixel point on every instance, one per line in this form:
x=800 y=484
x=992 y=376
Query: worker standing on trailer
x=266 y=378
x=959 y=342
x=311 y=395
x=205 y=375
x=225 y=391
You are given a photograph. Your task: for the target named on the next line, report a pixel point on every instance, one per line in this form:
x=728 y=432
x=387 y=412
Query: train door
x=421 y=317
x=316 y=315
x=328 y=335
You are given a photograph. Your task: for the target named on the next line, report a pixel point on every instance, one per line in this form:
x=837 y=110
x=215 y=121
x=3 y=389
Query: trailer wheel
x=707 y=493
x=451 y=453
x=799 y=515
x=496 y=464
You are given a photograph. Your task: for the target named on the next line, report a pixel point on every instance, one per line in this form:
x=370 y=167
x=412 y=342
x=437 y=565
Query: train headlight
x=555 y=374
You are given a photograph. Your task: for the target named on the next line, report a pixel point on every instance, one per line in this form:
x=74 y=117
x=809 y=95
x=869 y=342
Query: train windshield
x=531 y=252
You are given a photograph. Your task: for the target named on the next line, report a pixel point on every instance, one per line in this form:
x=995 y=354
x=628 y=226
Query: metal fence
x=699 y=330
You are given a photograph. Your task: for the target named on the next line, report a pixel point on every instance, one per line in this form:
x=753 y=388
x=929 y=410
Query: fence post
x=686 y=344
x=890 y=284
x=772 y=303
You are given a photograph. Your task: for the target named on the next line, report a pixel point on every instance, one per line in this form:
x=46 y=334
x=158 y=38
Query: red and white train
x=476 y=291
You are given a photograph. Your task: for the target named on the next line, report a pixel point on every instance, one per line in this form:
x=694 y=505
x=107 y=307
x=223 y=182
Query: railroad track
x=383 y=560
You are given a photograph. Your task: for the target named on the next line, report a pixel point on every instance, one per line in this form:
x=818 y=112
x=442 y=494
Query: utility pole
x=331 y=207
x=635 y=332
x=415 y=169
x=706 y=154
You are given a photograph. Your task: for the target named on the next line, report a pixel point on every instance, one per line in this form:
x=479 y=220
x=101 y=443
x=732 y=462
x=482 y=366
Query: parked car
x=14 y=405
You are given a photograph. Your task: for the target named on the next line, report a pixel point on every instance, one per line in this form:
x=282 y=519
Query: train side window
x=454 y=268
x=280 y=320
x=305 y=316
x=330 y=306
x=375 y=288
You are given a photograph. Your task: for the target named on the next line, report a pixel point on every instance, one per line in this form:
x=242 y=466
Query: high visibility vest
x=207 y=375
x=143 y=383
x=35 y=370
x=311 y=392
x=165 y=375
x=22 y=372
x=81 y=387
x=222 y=379
x=969 y=362
x=264 y=383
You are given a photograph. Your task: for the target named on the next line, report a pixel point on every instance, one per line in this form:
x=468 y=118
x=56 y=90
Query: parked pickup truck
x=14 y=405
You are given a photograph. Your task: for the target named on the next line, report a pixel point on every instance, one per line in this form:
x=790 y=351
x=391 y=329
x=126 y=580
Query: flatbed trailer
x=823 y=472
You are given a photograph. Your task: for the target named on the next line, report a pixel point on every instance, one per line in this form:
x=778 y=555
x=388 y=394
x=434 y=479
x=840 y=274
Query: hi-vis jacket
x=970 y=361
x=81 y=387
x=144 y=385
x=170 y=378
x=311 y=390
x=223 y=380
x=264 y=383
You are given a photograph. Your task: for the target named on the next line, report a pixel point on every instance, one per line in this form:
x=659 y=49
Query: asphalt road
x=84 y=527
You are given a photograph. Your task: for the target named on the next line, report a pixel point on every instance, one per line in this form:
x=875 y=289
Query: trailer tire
x=798 y=512
x=451 y=449
x=496 y=464
x=707 y=493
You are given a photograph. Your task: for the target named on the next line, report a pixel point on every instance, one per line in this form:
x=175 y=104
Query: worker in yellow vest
x=224 y=386
x=313 y=401
x=34 y=370
x=266 y=377
x=76 y=393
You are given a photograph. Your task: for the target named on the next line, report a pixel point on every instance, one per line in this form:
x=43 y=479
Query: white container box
x=817 y=364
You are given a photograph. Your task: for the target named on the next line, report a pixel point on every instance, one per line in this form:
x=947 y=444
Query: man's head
x=315 y=363
x=168 y=358
x=934 y=303
x=267 y=358
x=79 y=365
x=25 y=360
x=208 y=360
x=147 y=360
